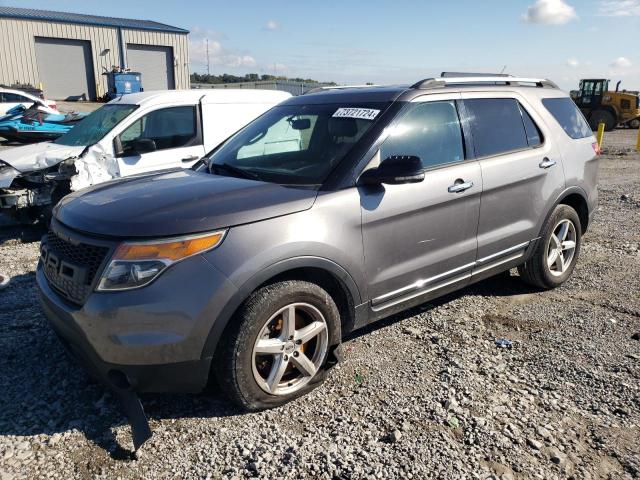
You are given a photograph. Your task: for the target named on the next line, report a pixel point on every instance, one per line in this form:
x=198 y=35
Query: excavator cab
x=591 y=92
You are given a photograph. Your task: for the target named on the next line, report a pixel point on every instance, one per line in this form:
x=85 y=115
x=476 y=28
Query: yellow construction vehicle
x=613 y=108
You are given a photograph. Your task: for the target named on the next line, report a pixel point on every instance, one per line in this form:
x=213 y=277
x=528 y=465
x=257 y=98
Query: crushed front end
x=29 y=197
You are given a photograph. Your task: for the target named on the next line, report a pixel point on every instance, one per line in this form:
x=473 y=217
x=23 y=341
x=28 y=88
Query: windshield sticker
x=362 y=113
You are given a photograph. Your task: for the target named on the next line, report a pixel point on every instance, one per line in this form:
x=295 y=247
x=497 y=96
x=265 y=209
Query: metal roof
x=65 y=17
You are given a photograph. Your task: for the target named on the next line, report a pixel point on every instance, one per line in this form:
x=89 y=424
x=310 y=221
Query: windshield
x=296 y=144
x=95 y=126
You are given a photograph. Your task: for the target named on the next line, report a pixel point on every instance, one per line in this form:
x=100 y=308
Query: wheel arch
x=576 y=198
x=323 y=272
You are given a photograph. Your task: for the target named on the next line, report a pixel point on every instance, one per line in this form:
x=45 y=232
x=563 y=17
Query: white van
x=133 y=134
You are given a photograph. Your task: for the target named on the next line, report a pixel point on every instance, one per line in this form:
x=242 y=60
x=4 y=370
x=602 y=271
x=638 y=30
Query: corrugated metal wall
x=180 y=50
x=18 y=63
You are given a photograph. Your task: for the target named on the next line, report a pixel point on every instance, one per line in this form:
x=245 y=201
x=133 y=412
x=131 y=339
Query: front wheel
x=556 y=252
x=278 y=346
x=602 y=116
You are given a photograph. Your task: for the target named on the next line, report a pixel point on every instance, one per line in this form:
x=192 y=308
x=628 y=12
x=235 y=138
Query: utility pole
x=208 y=64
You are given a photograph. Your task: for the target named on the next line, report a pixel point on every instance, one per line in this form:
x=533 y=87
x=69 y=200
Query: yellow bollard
x=600 y=136
x=638 y=144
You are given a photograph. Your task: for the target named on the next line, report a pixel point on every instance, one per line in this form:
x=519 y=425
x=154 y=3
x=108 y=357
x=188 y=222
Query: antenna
x=503 y=69
x=208 y=64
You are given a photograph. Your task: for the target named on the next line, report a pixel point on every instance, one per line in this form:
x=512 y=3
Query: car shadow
x=506 y=284
x=44 y=391
x=10 y=230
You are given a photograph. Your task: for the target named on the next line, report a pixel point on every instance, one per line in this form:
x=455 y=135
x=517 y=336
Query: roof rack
x=338 y=87
x=428 y=83
x=472 y=74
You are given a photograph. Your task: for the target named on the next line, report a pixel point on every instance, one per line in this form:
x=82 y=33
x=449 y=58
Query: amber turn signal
x=172 y=249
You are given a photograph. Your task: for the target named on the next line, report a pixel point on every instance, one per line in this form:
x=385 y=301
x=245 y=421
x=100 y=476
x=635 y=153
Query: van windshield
x=95 y=126
x=296 y=144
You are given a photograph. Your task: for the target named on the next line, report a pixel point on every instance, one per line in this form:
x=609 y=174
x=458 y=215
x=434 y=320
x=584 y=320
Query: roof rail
x=471 y=74
x=338 y=87
x=482 y=80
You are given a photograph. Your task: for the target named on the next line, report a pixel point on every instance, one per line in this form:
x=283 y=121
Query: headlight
x=135 y=264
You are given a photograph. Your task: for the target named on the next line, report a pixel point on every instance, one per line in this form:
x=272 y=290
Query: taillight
x=596 y=148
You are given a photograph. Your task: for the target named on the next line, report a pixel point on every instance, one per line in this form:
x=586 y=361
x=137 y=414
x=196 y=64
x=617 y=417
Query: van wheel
x=278 y=345
x=556 y=252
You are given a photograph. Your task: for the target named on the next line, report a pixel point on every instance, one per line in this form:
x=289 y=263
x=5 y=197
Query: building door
x=65 y=68
x=155 y=63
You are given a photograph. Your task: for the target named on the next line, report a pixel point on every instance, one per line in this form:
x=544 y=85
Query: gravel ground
x=426 y=394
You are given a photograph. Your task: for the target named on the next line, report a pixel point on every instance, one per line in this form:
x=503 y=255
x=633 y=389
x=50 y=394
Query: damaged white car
x=134 y=134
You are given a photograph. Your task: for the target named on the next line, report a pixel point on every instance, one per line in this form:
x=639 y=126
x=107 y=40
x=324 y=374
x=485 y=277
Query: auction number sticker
x=361 y=113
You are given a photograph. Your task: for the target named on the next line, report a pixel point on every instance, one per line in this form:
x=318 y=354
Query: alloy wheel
x=561 y=247
x=290 y=349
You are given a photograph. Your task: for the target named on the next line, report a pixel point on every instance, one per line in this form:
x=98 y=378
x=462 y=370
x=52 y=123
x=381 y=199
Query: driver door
x=420 y=238
x=173 y=132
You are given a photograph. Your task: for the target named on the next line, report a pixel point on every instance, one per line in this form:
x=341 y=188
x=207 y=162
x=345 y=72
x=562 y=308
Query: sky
x=400 y=41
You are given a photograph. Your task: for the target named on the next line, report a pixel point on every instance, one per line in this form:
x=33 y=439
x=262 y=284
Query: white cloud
x=619 y=8
x=218 y=54
x=550 y=12
x=272 y=25
x=621 y=62
x=573 y=63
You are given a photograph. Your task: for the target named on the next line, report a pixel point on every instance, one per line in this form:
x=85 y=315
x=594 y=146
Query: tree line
x=249 y=77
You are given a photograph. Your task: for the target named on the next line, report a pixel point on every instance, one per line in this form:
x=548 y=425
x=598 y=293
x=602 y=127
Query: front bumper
x=144 y=340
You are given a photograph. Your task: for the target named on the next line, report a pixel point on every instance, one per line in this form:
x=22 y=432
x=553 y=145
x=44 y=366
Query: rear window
x=568 y=116
x=497 y=126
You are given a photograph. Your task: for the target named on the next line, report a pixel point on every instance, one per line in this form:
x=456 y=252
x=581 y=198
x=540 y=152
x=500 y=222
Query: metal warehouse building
x=67 y=53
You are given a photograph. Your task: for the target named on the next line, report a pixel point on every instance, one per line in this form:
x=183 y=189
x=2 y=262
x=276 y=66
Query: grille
x=71 y=268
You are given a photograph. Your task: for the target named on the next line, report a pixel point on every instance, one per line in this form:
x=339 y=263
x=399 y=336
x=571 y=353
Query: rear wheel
x=602 y=116
x=556 y=252
x=635 y=123
x=279 y=345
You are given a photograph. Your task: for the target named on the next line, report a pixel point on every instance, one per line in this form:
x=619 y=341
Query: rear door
x=177 y=136
x=521 y=174
x=420 y=238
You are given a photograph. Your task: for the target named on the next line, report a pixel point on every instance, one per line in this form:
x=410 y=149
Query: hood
x=37 y=156
x=177 y=203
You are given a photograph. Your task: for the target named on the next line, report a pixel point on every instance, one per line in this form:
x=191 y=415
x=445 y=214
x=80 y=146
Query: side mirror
x=395 y=170
x=144 y=145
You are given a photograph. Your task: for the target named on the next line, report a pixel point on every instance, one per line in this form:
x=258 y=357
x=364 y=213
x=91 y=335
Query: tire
x=635 y=123
x=536 y=271
x=261 y=324
x=602 y=116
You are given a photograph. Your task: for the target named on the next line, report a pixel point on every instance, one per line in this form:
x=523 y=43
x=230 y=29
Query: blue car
x=29 y=125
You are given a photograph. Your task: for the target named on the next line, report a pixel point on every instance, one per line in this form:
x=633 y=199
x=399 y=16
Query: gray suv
x=331 y=211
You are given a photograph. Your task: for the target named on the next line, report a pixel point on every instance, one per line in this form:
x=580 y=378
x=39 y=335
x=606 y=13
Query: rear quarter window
x=567 y=114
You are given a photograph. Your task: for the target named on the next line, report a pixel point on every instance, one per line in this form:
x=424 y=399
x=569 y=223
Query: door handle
x=460 y=186
x=546 y=163
x=190 y=158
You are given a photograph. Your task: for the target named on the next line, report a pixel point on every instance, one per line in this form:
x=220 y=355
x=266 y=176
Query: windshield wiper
x=234 y=170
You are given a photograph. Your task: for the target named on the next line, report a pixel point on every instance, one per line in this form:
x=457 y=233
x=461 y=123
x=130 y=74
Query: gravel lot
x=426 y=394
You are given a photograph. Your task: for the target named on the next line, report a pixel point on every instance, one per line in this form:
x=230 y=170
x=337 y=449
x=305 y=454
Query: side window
x=568 y=116
x=169 y=128
x=429 y=130
x=14 y=98
x=497 y=126
x=534 y=137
